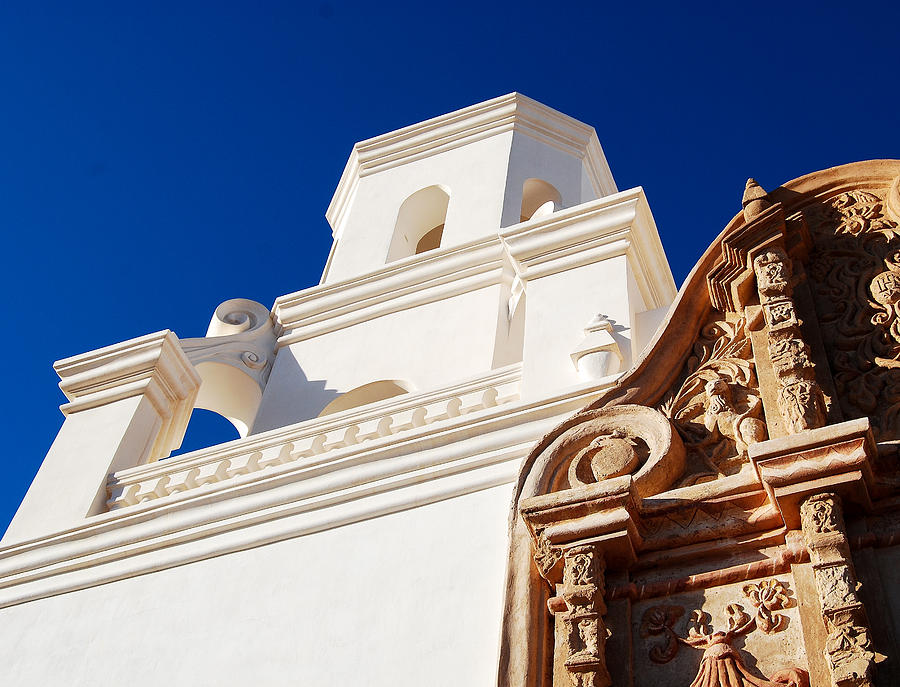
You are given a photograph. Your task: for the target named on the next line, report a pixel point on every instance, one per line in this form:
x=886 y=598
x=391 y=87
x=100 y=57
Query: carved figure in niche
x=722 y=419
x=608 y=455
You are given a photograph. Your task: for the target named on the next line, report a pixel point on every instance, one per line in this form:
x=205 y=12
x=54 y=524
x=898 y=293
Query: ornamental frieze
x=694 y=525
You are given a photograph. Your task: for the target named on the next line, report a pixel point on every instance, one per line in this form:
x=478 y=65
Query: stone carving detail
x=659 y=620
x=608 y=455
x=546 y=556
x=847 y=648
x=767 y=597
x=585 y=632
x=716 y=408
x=722 y=665
x=856 y=282
x=800 y=400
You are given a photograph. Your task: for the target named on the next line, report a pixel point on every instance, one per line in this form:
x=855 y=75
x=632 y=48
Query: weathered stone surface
x=775 y=378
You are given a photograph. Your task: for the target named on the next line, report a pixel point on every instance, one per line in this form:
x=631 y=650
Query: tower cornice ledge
x=511 y=112
x=618 y=224
x=154 y=365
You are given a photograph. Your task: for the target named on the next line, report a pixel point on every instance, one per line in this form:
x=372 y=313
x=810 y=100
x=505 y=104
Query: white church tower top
x=458 y=178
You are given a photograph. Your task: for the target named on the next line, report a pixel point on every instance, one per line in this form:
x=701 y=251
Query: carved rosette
x=848 y=647
x=800 y=400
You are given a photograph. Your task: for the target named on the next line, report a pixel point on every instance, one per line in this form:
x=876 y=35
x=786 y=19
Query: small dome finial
x=755 y=200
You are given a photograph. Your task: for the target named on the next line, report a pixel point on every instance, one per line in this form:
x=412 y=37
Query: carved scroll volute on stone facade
x=848 y=648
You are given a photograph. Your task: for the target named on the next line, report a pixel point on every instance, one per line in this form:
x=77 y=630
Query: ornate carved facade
x=727 y=514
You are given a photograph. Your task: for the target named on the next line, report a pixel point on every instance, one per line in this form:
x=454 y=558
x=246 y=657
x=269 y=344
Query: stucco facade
x=492 y=446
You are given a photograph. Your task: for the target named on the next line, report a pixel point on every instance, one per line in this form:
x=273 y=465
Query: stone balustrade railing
x=311 y=439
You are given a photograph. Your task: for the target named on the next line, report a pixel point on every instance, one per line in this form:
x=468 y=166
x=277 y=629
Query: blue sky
x=159 y=158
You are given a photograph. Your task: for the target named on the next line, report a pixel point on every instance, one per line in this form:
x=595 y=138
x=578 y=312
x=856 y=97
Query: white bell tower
x=474 y=172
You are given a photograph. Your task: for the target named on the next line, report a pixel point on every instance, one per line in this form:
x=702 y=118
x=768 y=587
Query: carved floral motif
x=856 y=282
x=659 y=620
x=722 y=665
x=716 y=408
x=768 y=596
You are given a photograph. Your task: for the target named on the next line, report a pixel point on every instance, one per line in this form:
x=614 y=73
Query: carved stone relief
x=585 y=633
x=847 y=647
x=722 y=665
x=716 y=406
x=800 y=400
x=856 y=281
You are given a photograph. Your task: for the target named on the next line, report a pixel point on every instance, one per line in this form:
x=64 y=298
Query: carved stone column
x=585 y=633
x=800 y=400
x=847 y=647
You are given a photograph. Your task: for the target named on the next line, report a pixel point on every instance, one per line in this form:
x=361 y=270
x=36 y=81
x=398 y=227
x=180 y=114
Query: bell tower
x=472 y=173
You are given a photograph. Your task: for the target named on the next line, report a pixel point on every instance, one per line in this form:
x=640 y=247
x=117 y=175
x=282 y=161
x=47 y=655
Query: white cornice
x=512 y=112
x=616 y=224
x=619 y=224
x=397 y=286
x=355 y=483
x=154 y=366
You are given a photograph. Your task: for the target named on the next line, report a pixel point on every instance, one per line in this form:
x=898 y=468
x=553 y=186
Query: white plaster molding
x=617 y=224
x=513 y=111
x=351 y=484
x=400 y=285
x=153 y=365
x=620 y=224
x=311 y=438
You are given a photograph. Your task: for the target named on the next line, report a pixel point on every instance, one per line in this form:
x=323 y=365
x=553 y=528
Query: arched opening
x=420 y=223
x=206 y=428
x=365 y=394
x=539 y=199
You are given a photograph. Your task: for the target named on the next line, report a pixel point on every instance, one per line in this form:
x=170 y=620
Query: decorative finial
x=755 y=200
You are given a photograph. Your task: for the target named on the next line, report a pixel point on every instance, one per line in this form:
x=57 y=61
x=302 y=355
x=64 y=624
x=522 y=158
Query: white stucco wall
x=405 y=599
x=429 y=346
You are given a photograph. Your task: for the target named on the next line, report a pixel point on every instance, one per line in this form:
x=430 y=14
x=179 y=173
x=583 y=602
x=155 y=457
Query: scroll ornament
x=716 y=408
x=722 y=665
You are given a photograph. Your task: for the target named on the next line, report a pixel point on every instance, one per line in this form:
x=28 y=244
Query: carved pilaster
x=800 y=400
x=847 y=647
x=585 y=632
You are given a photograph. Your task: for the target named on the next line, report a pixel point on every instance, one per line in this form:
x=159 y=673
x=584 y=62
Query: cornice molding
x=355 y=483
x=511 y=112
x=617 y=224
x=154 y=366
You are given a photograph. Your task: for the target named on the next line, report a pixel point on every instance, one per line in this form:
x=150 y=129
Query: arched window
x=367 y=393
x=539 y=199
x=420 y=223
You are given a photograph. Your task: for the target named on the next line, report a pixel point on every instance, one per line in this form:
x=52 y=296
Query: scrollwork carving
x=716 y=408
x=721 y=664
x=659 y=620
x=856 y=283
